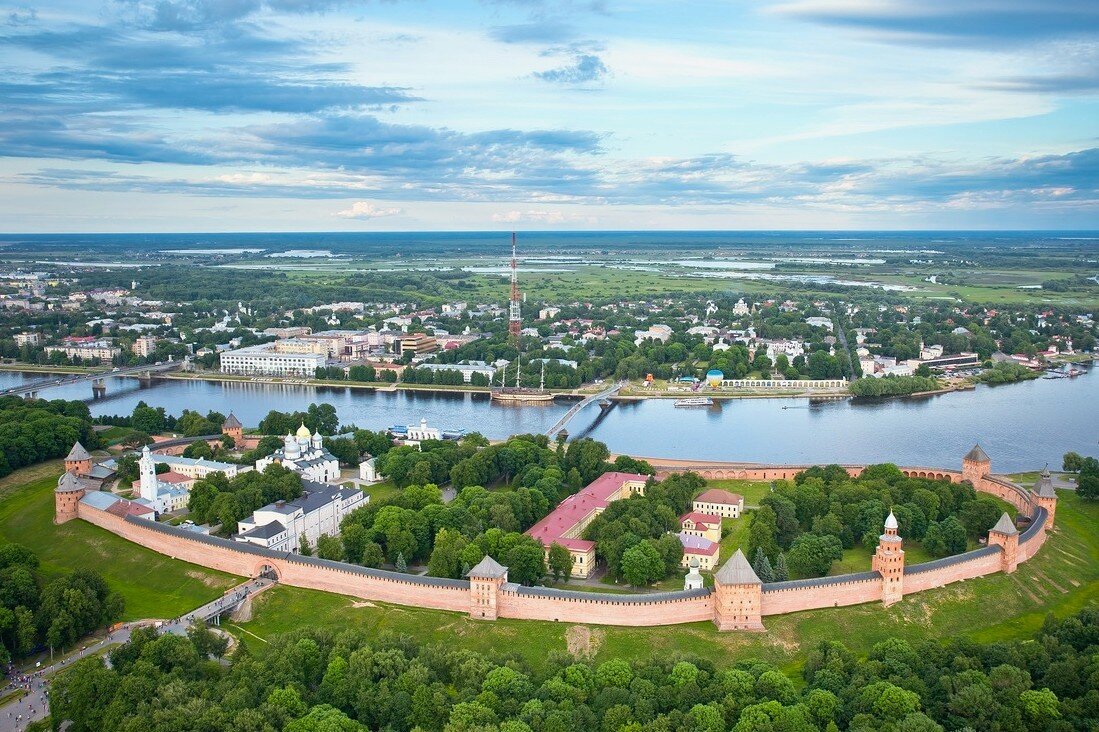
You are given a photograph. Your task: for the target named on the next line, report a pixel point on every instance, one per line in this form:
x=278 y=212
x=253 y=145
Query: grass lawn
x=737 y=538
x=1062 y=579
x=382 y=490
x=752 y=490
x=115 y=435
x=154 y=586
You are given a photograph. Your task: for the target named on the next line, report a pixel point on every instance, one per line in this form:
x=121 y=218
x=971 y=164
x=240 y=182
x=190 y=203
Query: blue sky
x=295 y=115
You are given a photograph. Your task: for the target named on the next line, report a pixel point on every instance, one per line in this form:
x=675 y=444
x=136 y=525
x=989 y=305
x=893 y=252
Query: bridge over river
x=99 y=386
x=567 y=416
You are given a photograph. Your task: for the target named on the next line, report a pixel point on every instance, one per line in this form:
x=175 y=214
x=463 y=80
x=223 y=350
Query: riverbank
x=40 y=369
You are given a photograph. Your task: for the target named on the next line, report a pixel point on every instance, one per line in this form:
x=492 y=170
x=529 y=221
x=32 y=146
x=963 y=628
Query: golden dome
x=303 y=431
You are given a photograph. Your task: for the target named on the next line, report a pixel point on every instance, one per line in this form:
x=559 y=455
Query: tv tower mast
x=515 y=320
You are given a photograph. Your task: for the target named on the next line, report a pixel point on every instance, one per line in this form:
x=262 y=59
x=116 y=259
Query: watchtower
x=1045 y=496
x=78 y=461
x=485 y=581
x=976 y=465
x=1006 y=536
x=66 y=496
x=233 y=428
x=738 y=596
x=888 y=561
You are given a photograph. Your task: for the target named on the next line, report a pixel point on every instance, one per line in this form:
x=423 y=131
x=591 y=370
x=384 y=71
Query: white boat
x=695 y=402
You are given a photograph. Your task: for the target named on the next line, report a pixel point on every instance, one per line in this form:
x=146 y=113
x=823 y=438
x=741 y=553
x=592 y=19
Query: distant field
x=154 y=585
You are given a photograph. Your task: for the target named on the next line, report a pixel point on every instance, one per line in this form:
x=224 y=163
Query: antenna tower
x=515 y=321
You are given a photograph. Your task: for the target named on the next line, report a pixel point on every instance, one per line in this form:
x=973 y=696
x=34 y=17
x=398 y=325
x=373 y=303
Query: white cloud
x=367 y=210
x=540 y=217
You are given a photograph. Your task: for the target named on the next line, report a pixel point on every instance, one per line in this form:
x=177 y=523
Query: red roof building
x=564 y=524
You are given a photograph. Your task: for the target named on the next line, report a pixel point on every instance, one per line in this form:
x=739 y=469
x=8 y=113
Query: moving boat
x=695 y=402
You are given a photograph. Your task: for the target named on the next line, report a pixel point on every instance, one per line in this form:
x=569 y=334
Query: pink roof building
x=564 y=524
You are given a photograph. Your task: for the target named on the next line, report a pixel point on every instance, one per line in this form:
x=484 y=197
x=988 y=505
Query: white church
x=304 y=453
x=158 y=495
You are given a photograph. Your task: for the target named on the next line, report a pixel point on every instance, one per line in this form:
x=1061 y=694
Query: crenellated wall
x=851 y=589
x=605 y=609
x=533 y=603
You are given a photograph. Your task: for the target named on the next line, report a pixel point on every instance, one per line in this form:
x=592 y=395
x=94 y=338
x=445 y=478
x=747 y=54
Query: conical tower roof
x=78 y=453
x=69 y=484
x=977 y=455
x=231 y=422
x=1044 y=486
x=1005 y=526
x=891 y=521
x=488 y=568
x=737 y=571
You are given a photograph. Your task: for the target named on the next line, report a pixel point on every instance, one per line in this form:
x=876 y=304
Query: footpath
x=33 y=703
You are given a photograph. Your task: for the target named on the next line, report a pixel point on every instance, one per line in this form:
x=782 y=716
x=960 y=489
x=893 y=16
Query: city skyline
x=322 y=115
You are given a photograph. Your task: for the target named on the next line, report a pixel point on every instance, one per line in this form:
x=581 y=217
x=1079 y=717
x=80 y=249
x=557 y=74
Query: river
x=1021 y=426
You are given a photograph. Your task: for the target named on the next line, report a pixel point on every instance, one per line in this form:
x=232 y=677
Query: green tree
x=304 y=547
x=329 y=547
x=642 y=564
x=446 y=557
x=560 y=562
x=811 y=555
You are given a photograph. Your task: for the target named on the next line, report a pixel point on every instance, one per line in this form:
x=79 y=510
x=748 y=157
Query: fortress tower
x=976 y=465
x=66 y=496
x=888 y=561
x=1044 y=495
x=485 y=581
x=79 y=461
x=738 y=596
x=1006 y=536
x=233 y=428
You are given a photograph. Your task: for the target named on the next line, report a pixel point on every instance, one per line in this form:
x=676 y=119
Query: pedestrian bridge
x=99 y=387
x=567 y=417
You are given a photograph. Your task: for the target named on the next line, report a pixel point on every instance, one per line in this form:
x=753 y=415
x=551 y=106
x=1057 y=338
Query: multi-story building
x=418 y=344
x=716 y=502
x=467 y=369
x=264 y=360
x=199 y=468
x=566 y=523
x=89 y=351
x=145 y=346
x=28 y=339
x=281 y=525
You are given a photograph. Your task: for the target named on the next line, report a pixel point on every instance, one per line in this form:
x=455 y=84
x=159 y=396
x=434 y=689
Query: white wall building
x=199 y=468
x=159 y=496
x=281 y=525
x=304 y=453
x=263 y=360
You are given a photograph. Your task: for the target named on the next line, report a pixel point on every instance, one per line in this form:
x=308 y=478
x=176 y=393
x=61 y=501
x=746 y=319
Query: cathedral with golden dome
x=304 y=453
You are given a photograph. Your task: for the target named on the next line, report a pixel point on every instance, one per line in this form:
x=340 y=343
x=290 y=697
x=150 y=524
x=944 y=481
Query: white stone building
x=160 y=496
x=281 y=525
x=264 y=360
x=304 y=453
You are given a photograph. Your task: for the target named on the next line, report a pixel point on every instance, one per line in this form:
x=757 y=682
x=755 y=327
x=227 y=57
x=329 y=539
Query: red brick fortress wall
x=667 y=608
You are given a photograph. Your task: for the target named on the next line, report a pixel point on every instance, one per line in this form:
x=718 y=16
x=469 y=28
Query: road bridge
x=567 y=417
x=98 y=379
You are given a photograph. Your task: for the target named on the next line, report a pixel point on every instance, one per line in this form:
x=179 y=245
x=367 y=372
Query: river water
x=1021 y=426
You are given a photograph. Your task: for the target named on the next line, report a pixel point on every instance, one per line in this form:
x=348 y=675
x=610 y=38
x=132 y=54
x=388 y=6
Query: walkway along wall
x=511 y=600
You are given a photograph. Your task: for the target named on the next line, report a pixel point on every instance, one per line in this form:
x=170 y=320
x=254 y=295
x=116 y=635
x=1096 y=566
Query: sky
x=357 y=115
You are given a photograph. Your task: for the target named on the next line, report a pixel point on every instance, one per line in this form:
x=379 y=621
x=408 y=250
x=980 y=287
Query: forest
x=805 y=524
x=33 y=431
x=36 y=612
x=352 y=681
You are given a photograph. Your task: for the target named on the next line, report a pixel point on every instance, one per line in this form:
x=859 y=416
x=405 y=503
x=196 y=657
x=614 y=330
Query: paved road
x=16 y=715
